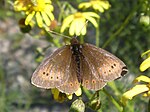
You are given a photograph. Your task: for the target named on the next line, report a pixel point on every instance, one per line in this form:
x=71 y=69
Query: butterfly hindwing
x=54 y=70
x=72 y=85
x=107 y=66
x=89 y=80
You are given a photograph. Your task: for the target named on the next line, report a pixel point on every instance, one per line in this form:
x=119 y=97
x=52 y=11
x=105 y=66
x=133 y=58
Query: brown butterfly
x=75 y=64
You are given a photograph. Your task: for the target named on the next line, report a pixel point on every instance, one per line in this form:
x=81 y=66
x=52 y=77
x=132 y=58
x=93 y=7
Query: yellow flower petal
x=70 y=97
x=39 y=19
x=147 y=94
x=82 y=28
x=55 y=93
x=66 y=22
x=83 y=31
x=133 y=92
x=92 y=20
x=72 y=28
x=79 y=26
x=145 y=53
x=142 y=78
x=104 y=4
x=49 y=8
x=46 y=19
x=145 y=64
x=91 y=14
x=46 y=28
x=97 y=7
x=78 y=92
x=84 y=5
x=29 y=18
x=50 y=15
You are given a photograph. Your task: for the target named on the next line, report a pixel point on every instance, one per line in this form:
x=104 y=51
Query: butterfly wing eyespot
x=53 y=71
x=124 y=71
x=72 y=85
x=107 y=66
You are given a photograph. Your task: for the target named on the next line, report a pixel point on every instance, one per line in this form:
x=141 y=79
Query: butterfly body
x=76 y=49
x=78 y=64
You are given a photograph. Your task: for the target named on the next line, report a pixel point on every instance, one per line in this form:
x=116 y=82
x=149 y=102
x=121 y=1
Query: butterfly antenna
x=82 y=28
x=59 y=34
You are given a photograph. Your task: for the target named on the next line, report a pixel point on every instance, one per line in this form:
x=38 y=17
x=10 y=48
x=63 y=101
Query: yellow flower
x=20 y=5
x=98 y=5
x=146 y=63
x=77 y=22
x=60 y=97
x=41 y=9
x=138 y=89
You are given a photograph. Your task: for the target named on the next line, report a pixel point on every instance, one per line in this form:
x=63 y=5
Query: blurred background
x=124 y=31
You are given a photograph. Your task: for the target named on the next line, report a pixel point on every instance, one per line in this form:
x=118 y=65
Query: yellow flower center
x=78 y=15
x=39 y=5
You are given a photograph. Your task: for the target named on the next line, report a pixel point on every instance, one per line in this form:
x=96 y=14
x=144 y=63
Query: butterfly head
x=74 y=41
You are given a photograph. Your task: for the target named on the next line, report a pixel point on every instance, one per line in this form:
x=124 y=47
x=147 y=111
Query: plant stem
x=61 y=11
x=118 y=106
x=3 y=87
x=114 y=87
x=97 y=34
x=123 y=25
x=87 y=92
x=81 y=39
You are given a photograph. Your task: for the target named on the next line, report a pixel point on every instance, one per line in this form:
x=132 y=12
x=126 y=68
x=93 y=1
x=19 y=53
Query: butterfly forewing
x=54 y=70
x=72 y=85
x=88 y=73
x=107 y=66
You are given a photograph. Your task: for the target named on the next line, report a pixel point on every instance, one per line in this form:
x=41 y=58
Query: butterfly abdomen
x=76 y=55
